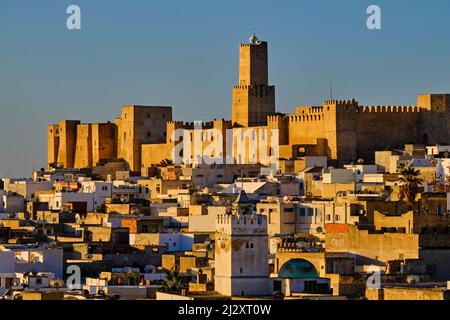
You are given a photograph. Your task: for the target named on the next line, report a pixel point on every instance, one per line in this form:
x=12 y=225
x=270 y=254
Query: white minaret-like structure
x=241 y=254
x=440 y=173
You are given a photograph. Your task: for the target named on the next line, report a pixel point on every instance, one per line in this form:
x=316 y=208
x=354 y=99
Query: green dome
x=298 y=269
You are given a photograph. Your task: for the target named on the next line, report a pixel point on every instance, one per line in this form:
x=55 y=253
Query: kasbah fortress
x=342 y=130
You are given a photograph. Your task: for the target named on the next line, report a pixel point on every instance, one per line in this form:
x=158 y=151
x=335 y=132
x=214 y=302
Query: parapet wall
x=242 y=224
x=190 y=125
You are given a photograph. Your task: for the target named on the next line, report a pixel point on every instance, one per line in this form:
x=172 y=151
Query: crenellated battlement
x=348 y=102
x=358 y=108
x=301 y=110
x=276 y=117
x=222 y=121
x=258 y=43
x=305 y=117
x=254 y=219
x=255 y=90
x=190 y=125
x=389 y=109
x=241 y=224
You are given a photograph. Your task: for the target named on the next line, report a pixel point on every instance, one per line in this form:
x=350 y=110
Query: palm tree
x=410 y=183
x=173 y=283
x=166 y=162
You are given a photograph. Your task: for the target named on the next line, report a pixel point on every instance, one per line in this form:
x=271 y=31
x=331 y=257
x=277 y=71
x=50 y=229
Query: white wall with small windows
x=177 y=241
x=313 y=216
x=100 y=191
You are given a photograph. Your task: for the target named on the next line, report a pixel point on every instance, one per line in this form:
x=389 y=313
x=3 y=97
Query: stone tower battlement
x=241 y=224
x=244 y=45
x=277 y=121
x=348 y=102
x=191 y=125
x=276 y=118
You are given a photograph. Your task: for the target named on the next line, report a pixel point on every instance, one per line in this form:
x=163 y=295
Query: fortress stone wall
x=72 y=144
x=349 y=131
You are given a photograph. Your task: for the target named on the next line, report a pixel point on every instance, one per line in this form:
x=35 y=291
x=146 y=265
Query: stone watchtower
x=253 y=98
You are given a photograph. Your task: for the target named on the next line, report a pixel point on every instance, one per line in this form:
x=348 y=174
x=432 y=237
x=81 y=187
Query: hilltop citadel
x=341 y=130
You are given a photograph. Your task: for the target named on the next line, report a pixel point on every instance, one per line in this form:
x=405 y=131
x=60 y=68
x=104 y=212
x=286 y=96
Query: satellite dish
x=413 y=279
x=78 y=218
x=319 y=229
x=89 y=256
x=360 y=161
x=56 y=283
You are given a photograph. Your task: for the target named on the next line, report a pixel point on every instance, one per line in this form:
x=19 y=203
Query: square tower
x=434 y=102
x=253 y=98
x=241 y=255
x=140 y=125
x=52 y=144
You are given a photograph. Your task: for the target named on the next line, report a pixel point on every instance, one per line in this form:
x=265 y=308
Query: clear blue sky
x=185 y=54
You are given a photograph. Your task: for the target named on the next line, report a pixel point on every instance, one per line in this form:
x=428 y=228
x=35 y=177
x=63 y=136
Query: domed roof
x=298 y=269
x=253 y=39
